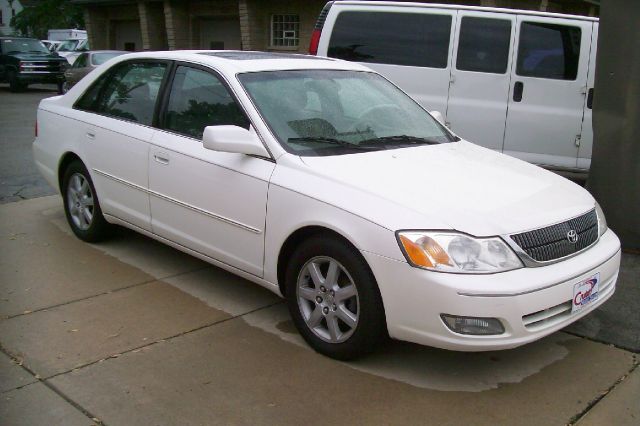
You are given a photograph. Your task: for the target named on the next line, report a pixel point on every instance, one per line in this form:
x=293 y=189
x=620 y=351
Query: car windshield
x=329 y=112
x=101 y=58
x=23 y=46
x=68 y=46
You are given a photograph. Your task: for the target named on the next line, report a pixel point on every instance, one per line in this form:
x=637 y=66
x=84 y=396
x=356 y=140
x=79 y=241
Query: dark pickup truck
x=25 y=60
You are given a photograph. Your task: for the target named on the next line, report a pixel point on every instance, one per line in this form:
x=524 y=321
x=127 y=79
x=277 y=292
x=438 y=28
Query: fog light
x=472 y=325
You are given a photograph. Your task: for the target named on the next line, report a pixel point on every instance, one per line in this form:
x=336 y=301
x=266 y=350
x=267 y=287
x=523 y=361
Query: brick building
x=276 y=25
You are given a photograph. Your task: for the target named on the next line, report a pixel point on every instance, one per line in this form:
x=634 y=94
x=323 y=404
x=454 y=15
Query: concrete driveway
x=131 y=332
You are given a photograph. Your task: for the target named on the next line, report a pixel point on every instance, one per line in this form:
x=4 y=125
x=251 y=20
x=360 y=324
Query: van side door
x=480 y=76
x=548 y=87
x=586 y=141
x=409 y=46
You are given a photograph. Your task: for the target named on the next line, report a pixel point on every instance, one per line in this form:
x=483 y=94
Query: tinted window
x=392 y=38
x=548 y=51
x=484 y=45
x=101 y=58
x=81 y=62
x=131 y=92
x=197 y=100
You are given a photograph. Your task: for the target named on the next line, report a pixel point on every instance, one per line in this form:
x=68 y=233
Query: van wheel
x=81 y=205
x=333 y=299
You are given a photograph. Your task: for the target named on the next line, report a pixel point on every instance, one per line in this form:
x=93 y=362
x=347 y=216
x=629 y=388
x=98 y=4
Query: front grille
x=41 y=66
x=548 y=316
x=551 y=242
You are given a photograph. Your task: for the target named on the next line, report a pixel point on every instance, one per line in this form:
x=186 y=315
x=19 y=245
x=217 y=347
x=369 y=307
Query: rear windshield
x=101 y=58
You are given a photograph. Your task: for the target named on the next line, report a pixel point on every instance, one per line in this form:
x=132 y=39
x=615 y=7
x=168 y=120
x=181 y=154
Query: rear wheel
x=81 y=204
x=63 y=87
x=333 y=299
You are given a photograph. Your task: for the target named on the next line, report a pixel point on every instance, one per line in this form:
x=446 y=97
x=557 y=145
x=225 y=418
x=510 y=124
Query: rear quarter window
x=412 y=39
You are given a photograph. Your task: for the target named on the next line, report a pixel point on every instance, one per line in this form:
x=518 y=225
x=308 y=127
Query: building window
x=285 y=30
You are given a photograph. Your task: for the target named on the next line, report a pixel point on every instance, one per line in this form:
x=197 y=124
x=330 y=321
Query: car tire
x=81 y=205
x=14 y=84
x=334 y=299
x=63 y=87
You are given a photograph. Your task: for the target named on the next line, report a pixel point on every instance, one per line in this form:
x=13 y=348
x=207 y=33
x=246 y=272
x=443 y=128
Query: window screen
x=484 y=45
x=548 y=51
x=197 y=100
x=413 y=39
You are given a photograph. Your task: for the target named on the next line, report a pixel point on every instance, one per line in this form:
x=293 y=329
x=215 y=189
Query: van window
x=548 y=51
x=414 y=39
x=484 y=45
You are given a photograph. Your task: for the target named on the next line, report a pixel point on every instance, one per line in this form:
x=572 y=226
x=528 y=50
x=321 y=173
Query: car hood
x=37 y=56
x=467 y=187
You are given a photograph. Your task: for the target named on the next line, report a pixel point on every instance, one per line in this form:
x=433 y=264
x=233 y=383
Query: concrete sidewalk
x=131 y=332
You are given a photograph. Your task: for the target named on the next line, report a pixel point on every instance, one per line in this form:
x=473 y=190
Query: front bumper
x=414 y=298
x=40 y=77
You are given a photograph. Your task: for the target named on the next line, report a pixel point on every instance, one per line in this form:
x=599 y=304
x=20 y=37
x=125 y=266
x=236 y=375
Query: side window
x=81 y=62
x=131 y=92
x=548 y=51
x=484 y=45
x=414 y=39
x=197 y=100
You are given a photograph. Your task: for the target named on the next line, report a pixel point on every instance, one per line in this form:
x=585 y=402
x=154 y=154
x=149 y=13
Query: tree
x=37 y=20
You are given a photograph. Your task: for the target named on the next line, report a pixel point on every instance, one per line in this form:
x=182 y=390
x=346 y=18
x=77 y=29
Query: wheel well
x=67 y=159
x=294 y=240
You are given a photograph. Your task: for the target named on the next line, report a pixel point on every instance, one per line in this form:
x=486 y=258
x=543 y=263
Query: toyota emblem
x=572 y=236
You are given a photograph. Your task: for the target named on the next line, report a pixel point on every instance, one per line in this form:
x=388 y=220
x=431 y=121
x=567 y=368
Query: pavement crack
x=46 y=308
x=164 y=339
x=50 y=386
x=575 y=419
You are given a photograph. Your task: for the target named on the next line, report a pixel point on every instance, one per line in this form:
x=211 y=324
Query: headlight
x=458 y=253
x=602 y=222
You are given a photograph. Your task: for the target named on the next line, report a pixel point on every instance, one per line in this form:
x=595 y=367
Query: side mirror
x=438 y=116
x=233 y=139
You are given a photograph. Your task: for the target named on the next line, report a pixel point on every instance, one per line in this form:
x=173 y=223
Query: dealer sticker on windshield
x=585 y=292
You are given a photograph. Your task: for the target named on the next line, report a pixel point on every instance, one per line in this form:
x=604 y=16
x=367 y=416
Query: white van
x=519 y=82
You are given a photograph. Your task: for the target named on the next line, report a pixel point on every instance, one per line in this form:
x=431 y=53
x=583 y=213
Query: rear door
x=548 y=89
x=409 y=46
x=480 y=76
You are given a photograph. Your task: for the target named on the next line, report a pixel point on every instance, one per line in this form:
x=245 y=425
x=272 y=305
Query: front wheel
x=81 y=205
x=333 y=299
x=63 y=87
x=14 y=83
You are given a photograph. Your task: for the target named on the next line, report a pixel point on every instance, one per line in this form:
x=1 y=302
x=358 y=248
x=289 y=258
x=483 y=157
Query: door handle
x=518 y=88
x=590 y=99
x=160 y=158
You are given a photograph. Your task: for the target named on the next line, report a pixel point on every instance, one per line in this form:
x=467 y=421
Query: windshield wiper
x=400 y=140
x=331 y=141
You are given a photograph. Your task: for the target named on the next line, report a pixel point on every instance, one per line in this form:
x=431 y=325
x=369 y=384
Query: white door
x=548 y=87
x=212 y=202
x=586 y=141
x=411 y=47
x=477 y=107
x=118 y=133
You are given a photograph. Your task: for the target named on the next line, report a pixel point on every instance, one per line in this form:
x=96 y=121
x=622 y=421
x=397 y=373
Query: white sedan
x=325 y=183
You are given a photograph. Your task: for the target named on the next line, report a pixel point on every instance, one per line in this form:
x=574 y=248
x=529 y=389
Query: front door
x=548 y=89
x=480 y=75
x=211 y=202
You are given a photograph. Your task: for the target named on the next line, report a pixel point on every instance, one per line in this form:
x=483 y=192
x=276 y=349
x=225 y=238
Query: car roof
x=237 y=61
